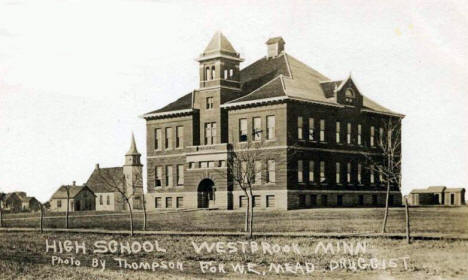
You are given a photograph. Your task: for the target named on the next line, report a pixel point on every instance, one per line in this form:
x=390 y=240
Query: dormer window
x=349 y=95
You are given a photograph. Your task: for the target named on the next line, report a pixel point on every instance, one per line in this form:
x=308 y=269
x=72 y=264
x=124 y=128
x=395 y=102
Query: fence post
x=407 y=221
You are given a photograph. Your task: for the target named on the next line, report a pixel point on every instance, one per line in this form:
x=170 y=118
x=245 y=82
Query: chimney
x=74 y=183
x=275 y=46
x=97 y=165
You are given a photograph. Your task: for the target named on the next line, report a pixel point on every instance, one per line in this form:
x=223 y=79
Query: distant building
x=317 y=133
x=81 y=198
x=106 y=183
x=29 y=203
x=437 y=195
x=12 y=202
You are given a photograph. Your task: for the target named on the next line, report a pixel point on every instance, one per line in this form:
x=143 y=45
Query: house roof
x=219 y=42
x=432 y=189
x=106 y=180
x=455 y=189
x=62 y=191
x=281 y=76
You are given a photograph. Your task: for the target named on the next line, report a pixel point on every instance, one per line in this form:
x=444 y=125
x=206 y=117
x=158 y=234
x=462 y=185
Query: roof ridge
x=307 y=66
x=285 y=54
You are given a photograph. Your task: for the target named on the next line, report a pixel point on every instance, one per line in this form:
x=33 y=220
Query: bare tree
x=67 y=191
x=387 y=163
x=116 y=184
x=41 y=223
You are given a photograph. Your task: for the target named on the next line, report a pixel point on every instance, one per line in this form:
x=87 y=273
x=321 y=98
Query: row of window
x=270 y=176
x=179 y=202
x=323 y=200
x=270 y=201
x=207 y=164
x=338 y=172
x=169 y=175
x=257 y=131
x=101 y=199
x=338 y=129
x=168 y=142
x=210 y=73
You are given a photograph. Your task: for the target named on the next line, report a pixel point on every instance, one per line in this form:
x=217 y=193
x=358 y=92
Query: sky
x=76 y=75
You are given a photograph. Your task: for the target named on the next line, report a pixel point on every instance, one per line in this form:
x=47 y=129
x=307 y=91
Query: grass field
x=23 y=256
x=353 y=220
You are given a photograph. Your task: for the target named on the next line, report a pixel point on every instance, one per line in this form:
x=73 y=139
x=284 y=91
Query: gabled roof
x=61 y=193
x=106 y=180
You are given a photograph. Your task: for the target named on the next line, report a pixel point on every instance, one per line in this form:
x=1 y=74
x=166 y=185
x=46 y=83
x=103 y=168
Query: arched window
x=231 y=73
x=225 y=73
x=349 y=95
x=207 y=73
x=213 y=73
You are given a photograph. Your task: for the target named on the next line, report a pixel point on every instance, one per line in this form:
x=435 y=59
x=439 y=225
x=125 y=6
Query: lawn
x=23 y=256
x=352 y=220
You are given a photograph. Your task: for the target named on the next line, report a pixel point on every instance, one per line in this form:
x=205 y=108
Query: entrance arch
x=206 y=193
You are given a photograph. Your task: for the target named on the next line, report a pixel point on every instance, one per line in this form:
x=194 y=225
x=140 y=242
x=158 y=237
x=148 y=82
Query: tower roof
x=133 y=150
x=218 y=46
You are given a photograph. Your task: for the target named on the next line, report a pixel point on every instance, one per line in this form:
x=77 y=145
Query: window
x=209 y=103
x=257 y=128
x=222 y=163
x=158 y=176
x=179 y=136
x=348 y=133
x=381 y=179
x=157 y=139
x=168 y=137
x=168 y=175
x=157 y=202
x=211 y=164
x=258 y=173
x=207 y=73
x=322 y=130
x=256 y=201
x=210 y=133
x=300 y=135
x=270 y=201
x=225 y=73
x=180 y=174
x=338 y=173
x=359 y=173
x=203 y=164
x=348 y=172
x=372 y=175
x=322 y=171
x=311 y=171
x=242 y=201
x=349 y=95
x=108 y=200
x=338 y=130
x=242 y=130
x=59 y=203
x=381 y=139
x=271 y=173
x=244 y=172
x=192 y=165
x=359 y=132
x=179 y=202
x=311 y=129
x=213 y=73
x=168 y=202
x=300 y=171
x=101 y=202
x=231 y=73
x=270 y=127
x=372 y=136
x=301 y=201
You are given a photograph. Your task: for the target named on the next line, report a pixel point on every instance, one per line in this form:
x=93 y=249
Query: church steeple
x=219 y=63
x=132 y=157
